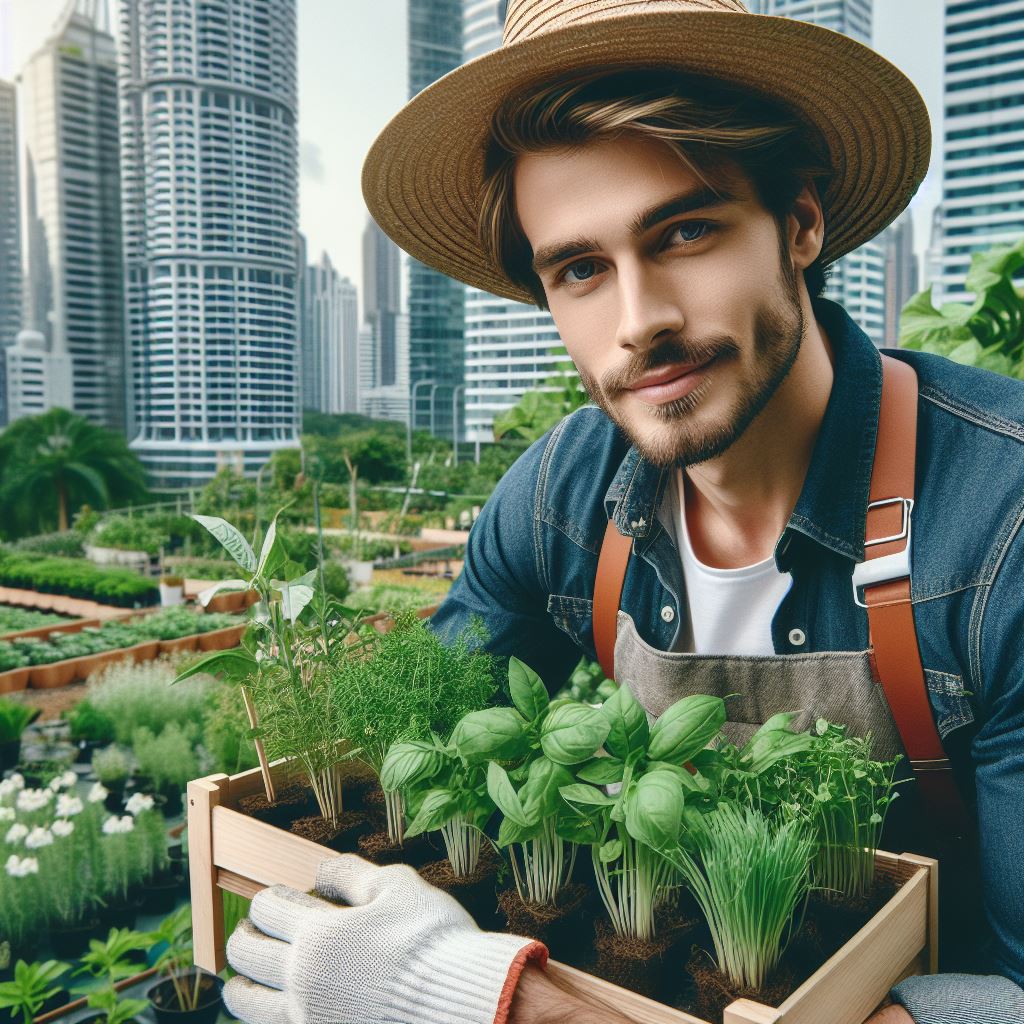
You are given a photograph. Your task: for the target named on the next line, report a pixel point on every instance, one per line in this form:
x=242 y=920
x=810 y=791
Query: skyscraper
x=329 y=334
x=72 y=206
x=384 y=341
x=983 y=136
x=10 y=234
x=435 y=301
x=902 y=275
x=857 y=281
x=210 y=159
x=509 y=345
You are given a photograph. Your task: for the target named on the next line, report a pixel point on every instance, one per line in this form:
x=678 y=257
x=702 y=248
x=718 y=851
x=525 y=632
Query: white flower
x=16 y=833
x=68 y=806
x=63 y=781
x=17 y=780
x=62 y=828
x=33 y=799
x=18 y=868
x=38 y=838
x=114 y=825
x=97 y=793
x=12 y=865
x=7 y=788
x=138 y=802
x=29 y=866
x=6 y=814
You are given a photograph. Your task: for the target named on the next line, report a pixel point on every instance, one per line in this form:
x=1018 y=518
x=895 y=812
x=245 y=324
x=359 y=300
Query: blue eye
x=577 y=277
x=703 y=225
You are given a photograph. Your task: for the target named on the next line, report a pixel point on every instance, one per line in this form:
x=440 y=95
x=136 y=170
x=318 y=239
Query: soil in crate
x=475 y=891
x=565 y=927
x=294 y=801
x=713 y=991
x=644 y=966
x=377 y=846
x=342 y=836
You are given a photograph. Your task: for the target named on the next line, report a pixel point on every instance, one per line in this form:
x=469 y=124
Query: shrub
x=225 y=733
x=133 y=696
x=128 y=534
x=14 y=719
x=110 y=765
x=61 y=545
x=168 y=758
x=89 y=723
x=77 y=578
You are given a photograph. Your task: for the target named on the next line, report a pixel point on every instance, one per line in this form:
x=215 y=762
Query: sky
x=352 y=80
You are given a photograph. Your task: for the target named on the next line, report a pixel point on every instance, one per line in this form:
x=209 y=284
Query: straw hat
x=422 y=177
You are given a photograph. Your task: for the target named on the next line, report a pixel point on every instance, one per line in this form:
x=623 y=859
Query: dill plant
x=409 y=685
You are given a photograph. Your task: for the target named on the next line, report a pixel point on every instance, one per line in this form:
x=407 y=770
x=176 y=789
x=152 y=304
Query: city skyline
x=367 y=58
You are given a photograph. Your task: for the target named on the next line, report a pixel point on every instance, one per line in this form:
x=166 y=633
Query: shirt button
x=796 y=637
x=668 y=613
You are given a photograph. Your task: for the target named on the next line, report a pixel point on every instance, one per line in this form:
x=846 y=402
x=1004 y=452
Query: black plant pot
x=10 y=753
x=172 y=800
x=165 y=1001
x=61 y=997
x=160 y=893
x=85 y=750
x=114 y=801
x=70 y=941
x=120 y=914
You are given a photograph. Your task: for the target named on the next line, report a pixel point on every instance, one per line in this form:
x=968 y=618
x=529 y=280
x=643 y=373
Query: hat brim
x=422 y=177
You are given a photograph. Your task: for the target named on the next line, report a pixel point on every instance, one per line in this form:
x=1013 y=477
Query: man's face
x=648 y=274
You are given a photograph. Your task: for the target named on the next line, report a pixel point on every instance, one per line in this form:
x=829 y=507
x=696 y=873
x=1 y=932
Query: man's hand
x=891 y=1015
x=539 y=1000
x=399 y=950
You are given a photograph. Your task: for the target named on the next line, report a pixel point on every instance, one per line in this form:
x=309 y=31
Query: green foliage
x=33 y=984
x=13 y=620
x=57 y=545
x=129 y=534
x=175 y=962
x=988 y=332
x=167 y=758
x=111 y=961
x=14 y=718
x=111 y=765
x=587 y=684
x=87 y=722
x=52 y=464
x=77 y=578
x=226 y=733
x=541 y=408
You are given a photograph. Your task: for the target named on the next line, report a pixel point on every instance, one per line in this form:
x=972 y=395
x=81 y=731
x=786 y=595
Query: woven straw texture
x=422 y=176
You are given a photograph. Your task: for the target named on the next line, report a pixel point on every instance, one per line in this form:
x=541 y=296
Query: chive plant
x=631 y=830
x=748 y=875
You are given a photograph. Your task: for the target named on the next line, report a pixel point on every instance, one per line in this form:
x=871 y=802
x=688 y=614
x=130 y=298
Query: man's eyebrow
x=700 y=198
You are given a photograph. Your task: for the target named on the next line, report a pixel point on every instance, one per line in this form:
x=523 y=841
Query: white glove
x=401 y=952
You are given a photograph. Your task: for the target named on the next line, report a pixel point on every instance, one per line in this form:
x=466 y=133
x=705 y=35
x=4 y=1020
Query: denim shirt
x=532 y=556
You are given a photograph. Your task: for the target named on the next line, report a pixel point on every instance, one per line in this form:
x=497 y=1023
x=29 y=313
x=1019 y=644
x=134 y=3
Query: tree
x=988 y=332
x=52 y=464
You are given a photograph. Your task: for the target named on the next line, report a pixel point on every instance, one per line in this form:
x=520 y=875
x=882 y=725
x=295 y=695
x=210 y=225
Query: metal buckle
x=894 y=566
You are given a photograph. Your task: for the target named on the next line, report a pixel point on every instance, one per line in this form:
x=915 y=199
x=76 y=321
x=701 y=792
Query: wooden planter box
x=231 y=851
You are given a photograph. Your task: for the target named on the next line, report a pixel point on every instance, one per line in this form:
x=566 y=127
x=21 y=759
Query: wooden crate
x=231 y=851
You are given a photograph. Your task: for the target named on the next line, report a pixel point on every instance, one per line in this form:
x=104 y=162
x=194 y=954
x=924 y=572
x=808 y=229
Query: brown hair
x=706 y=122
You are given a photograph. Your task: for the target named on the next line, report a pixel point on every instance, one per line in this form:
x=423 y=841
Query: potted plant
x=90 y=729
x=108 y=962
x=111 y=767
x=15 y=718
x=33 y=989
x=172 y=590
x=167 y=760
x=187 y=994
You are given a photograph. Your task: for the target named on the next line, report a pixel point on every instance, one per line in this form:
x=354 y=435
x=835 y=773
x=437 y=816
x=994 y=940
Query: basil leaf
x=409 y=763
x=588 y=795
x=654 y=810
x=528 y=691
x=610 y=851
x=540 y=795
x=504 y=795
x=572 y=733
x=627 y=721
x=231 y=540
x=602 y=771
x=510 y=832
x=497 y=734
x=436 y=810
x=686 y=728
x=579 y=828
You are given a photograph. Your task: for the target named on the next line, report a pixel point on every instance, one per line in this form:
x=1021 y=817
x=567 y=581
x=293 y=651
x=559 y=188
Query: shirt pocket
x=950 y=701
x=573 y=616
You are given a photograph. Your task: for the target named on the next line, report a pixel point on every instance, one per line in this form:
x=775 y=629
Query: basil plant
x=660 y=793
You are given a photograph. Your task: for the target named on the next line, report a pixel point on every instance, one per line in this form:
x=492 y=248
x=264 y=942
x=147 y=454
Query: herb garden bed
x=848 y=964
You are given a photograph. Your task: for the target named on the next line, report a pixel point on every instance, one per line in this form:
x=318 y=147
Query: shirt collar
x=832 y=507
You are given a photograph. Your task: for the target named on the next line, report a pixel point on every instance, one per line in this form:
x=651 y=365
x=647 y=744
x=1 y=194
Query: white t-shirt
x=730 y=610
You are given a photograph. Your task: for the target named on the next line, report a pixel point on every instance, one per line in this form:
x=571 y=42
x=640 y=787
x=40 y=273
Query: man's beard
x=778 y=333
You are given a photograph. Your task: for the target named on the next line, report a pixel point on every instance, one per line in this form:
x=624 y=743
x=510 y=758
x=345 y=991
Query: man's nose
x=648 y=306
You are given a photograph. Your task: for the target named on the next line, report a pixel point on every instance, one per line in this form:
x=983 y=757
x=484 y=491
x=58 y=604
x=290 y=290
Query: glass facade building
x=71 y=207
x=983 y=137
x=10 y=234
x=210 y=180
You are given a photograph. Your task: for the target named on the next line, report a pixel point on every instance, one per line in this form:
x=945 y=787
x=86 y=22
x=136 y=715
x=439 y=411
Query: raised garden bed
x=233 y=851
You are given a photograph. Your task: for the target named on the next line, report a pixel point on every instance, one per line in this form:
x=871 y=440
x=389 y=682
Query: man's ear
x=806 y=227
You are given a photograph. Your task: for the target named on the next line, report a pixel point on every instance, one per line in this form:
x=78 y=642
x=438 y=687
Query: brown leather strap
x=897 y=657
x=611 y=572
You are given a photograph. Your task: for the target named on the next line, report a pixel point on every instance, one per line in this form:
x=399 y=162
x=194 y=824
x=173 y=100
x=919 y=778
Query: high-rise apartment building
x=435 y=301
x=329 y=334
x=983 y=136
x=210 y=172
x=384 y=340
x=510 y=345
x=36 y=378
x=10 y=234
x=68 y=117
x=902 y=274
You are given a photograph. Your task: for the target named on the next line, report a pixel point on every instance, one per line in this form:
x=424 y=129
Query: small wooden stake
x=268 y=782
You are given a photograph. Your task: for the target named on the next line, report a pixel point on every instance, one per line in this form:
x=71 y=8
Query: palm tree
x=52 y=464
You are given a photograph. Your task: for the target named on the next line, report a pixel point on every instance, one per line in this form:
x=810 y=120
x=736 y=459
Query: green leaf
x=504 y=795
x=602 y=771
x=509 y=832
x=610 y=851
x=408 y=763
x=685 y=728
x=572 y=733
x=235 y=665
x=575 y=827
x=627 y=723
x=204 y=597
x=540 y=795
x=578 y=793
x=529 y=694
x=232 y=541
x=654 y=810
x=295 y=594
x=435 y=811
x=494 y=734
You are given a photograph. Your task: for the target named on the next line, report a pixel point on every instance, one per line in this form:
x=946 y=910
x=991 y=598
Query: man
x=671 y=180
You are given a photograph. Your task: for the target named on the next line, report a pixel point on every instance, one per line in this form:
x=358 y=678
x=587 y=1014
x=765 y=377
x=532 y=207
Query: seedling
x=33 y=984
